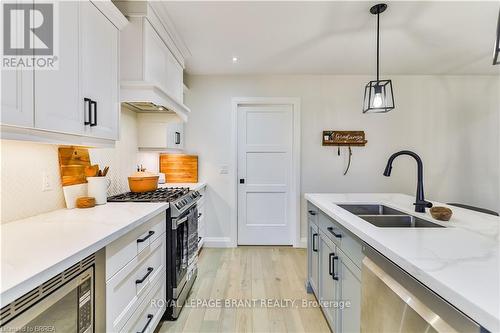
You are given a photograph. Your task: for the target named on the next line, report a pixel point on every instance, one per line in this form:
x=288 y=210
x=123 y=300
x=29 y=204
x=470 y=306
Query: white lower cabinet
x=137 y=289
x=328 y=280
x=338 y=286
x=313 y=256
x=350 y=292
x=150 y=311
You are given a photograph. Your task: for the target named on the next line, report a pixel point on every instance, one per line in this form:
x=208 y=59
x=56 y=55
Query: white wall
x=451 y=121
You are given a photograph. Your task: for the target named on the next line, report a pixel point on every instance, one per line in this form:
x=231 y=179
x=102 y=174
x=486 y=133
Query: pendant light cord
x=378 y=37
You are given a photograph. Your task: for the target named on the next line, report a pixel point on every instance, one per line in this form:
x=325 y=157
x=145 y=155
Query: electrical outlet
x=46 y=182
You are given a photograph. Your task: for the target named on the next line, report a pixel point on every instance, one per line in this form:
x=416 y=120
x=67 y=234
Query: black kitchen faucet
x=420 y=203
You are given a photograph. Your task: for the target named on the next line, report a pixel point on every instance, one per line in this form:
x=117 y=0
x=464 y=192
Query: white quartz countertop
x=461 y=263
x=36 y=248
x=191 y=186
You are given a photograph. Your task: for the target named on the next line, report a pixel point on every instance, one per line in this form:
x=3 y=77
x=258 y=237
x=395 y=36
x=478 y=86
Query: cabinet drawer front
x=149 y=312
x=124 y=291
x=349 y=243
x=124 y=249
x=312 y=213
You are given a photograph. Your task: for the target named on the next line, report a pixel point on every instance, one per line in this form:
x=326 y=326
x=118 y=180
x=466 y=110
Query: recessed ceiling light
x=235 y=60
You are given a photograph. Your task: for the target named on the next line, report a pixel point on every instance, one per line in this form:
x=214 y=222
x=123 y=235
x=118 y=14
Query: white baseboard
x=218 y=242
x=302 y=243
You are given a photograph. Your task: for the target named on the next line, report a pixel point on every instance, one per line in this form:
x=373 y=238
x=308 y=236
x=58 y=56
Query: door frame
x=295 y=161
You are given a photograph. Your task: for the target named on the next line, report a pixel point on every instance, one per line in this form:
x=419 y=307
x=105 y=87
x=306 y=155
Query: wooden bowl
x=85 y=202
x=441 y=213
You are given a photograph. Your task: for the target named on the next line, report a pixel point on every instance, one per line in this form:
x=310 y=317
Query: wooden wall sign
x=344 y=138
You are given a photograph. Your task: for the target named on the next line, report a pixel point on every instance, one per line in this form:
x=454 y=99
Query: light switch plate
x=224 y=169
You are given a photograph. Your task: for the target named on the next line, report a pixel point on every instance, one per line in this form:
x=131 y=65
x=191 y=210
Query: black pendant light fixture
x=496 y=53
x=379 y=97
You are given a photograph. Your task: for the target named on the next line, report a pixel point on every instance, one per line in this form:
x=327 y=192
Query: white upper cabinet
x=160 y=131
x=57 y=92
x=17 y=94
x=17 y=97
x=99 y=53
x=80 y=97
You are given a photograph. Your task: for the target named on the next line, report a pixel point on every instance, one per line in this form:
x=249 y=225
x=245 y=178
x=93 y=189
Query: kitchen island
x=460 y=262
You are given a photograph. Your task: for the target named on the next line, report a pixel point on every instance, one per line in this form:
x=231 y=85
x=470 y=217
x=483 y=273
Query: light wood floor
x=247 y=273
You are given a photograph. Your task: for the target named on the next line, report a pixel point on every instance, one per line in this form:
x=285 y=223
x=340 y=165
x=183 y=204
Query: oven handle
x=176 y=223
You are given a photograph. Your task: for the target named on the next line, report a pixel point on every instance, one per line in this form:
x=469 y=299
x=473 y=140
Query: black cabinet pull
x=315 y=249
x=330 y=270
x=199 y=215
x=150 y=317
x=86 y=106
x=242 y=180
x=177 y=138
x=141 y=280
x=312 y=212
x=334 y=275
x=150 y=233
x=93 y=122
x=334 y=233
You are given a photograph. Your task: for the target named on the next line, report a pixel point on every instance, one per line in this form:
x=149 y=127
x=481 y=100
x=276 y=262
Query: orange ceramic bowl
x=143 y=183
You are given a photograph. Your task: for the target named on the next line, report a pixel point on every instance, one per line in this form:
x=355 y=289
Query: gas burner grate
x=160 y=195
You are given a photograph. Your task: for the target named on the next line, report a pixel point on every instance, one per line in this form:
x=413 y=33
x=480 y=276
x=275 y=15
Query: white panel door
x=57 y=92
x=264 y=174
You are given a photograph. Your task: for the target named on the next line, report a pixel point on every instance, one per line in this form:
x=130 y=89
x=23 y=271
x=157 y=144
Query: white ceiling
x=417 y=37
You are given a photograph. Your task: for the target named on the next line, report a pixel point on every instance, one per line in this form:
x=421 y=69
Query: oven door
x=68 y=309
x=181 y=232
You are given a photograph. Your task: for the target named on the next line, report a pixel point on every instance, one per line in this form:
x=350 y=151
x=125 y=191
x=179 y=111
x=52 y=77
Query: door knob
x=242 y=180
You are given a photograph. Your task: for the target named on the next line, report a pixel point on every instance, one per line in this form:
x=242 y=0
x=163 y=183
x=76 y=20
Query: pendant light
x=378 y=94
x=496 y=54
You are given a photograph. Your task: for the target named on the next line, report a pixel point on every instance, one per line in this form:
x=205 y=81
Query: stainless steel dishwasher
x=394 y=301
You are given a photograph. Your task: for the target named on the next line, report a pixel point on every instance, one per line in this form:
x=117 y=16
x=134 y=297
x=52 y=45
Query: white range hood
x=151 y=60
x=142 y=96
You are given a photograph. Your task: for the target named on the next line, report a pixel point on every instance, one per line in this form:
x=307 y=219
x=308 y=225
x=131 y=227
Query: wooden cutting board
x=179 y=168
x=72 y=163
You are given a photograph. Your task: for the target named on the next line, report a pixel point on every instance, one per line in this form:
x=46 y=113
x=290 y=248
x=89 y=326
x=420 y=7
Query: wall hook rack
x=344 y=139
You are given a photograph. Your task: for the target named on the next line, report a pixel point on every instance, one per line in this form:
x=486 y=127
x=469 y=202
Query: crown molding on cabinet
x=108 y=9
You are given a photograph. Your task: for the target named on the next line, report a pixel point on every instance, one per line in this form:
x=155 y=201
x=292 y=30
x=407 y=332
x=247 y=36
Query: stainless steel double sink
x=386 y=217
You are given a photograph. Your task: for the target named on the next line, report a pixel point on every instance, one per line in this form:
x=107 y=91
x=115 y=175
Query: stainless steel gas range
x=182 y=240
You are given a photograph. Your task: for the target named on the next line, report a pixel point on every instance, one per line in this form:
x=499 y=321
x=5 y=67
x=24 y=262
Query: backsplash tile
x=24 y=163
x=22 y=168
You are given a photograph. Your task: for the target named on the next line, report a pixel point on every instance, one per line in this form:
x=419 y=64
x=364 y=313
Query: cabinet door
x=350 y=290
x=313 y=256
x=17 y=92
x=57 y=92
x=99 y=69
x=328 y=286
